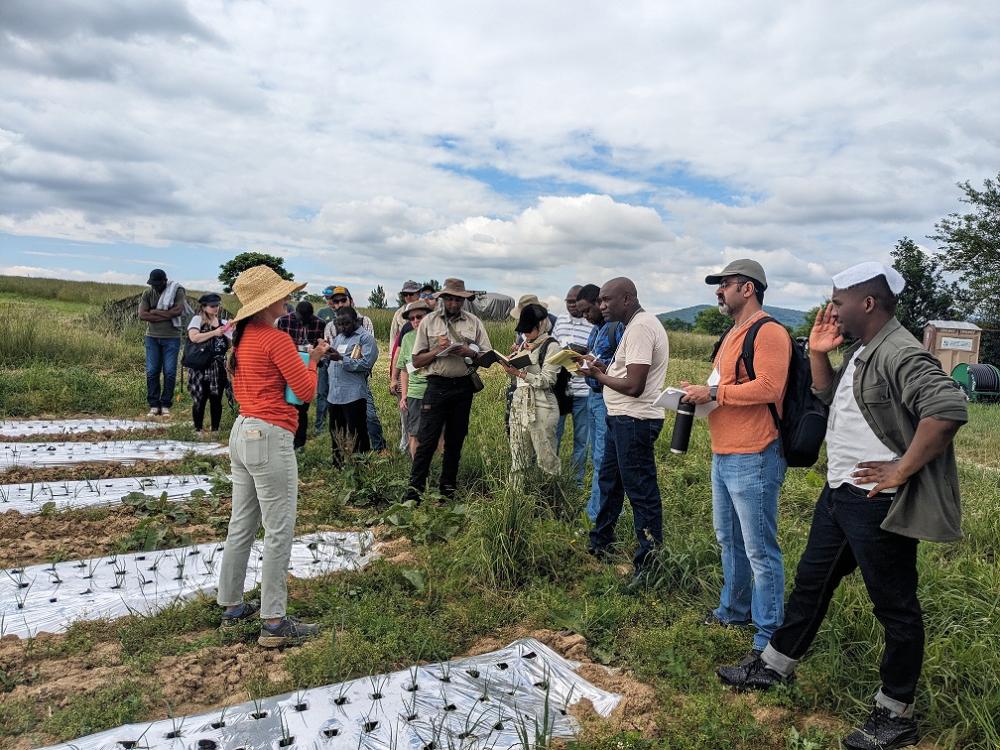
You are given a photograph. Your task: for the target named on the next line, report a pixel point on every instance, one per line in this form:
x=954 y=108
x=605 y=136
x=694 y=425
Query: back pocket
x=254 y=447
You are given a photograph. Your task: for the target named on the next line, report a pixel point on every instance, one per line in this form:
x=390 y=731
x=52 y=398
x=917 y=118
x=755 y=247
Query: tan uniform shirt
x=464 y=329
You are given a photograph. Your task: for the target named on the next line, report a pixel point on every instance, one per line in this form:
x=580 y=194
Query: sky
x=521 y=146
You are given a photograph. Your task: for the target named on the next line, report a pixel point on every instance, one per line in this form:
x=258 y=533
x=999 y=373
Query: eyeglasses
x=416 y=316
x=727 y=284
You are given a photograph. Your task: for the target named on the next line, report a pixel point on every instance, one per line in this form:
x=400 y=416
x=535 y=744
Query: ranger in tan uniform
x=448 y=342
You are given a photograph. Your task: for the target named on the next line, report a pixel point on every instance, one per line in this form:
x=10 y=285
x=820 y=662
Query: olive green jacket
x=896 y=384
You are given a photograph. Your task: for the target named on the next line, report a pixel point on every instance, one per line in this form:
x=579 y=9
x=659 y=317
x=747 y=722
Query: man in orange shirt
x=747 y=463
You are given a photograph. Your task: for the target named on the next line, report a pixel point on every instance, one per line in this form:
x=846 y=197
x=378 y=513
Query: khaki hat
x=456 y=288
x=259 y=287
x=420 y=304
x=523 y=301
x=742 y=267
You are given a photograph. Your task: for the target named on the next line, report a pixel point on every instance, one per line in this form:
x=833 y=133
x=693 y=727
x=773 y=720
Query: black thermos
x=682 y=428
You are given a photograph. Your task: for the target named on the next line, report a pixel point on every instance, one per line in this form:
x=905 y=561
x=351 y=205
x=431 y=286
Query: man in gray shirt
x=161 y=306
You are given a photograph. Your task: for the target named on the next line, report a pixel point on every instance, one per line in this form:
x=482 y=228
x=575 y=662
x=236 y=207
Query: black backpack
x=561 y=388
x=802 y=425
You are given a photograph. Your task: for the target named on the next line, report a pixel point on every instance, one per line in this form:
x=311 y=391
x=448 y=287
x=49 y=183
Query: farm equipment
x=979 y=381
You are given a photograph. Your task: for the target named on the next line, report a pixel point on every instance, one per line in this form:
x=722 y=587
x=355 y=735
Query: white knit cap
x=867 y=271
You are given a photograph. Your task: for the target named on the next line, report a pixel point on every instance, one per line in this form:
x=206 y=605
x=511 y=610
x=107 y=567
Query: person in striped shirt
x=263 y=363
x=572 y=328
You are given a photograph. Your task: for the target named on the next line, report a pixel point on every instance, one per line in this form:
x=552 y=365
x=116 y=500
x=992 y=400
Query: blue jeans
x=629 y=466
x=598 y=421
x=161 y=356
x=581 y=435
x=745 y=488
x=375 y=436
x=322 y=389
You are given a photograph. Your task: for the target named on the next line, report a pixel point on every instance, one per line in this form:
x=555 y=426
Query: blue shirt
x=349 y=376
x=602 y=344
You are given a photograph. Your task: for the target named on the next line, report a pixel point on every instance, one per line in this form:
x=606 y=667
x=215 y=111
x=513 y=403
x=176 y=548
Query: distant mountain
x=783 y=315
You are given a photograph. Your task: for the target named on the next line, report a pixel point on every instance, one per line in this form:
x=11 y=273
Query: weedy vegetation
x=497 y=560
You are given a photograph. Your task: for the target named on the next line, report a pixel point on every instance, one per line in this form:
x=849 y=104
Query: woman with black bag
x=205 y=358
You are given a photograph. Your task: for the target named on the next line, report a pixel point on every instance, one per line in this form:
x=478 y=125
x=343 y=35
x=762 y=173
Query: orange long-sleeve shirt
x=742 y=423
x=266 y=359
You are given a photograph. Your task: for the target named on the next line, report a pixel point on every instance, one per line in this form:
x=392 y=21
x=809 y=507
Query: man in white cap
x=892 y=480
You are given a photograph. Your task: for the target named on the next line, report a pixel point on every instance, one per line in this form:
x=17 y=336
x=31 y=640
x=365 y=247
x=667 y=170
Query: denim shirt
x=602 y=344
x=348 y=377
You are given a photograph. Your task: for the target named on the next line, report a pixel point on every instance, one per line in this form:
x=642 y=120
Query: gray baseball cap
x=741 y=267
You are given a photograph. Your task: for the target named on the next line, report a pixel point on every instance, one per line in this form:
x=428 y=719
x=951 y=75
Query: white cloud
x=366 y=143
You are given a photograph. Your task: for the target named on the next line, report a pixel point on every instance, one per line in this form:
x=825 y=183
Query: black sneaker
x=883 y=731
x=751 y=674
x=249 y=611
x=711 y=619
x=288 y=632
x=603 y=554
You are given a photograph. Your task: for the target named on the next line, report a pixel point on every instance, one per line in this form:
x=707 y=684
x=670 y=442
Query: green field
x=496 y=561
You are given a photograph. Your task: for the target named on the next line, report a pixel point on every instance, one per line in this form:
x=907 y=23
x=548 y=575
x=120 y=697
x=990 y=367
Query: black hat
x=531 y=316
x=211 y=298
x=157 y=276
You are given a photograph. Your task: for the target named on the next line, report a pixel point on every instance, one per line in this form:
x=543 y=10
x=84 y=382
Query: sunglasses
x=416 y=316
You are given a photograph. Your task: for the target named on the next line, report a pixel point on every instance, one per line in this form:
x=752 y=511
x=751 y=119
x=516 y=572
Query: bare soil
x=191 y=683
x=71 y=535
x=95 y=470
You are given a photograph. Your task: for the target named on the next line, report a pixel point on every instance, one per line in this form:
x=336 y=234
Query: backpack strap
x=746 y=357
x=545 y=350
x=718 y=345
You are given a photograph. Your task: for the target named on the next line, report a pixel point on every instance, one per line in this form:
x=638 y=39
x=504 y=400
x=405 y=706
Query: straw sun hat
x=258 y=287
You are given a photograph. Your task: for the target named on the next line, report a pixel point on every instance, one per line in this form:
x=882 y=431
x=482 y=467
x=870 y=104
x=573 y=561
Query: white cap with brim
x=867 y=271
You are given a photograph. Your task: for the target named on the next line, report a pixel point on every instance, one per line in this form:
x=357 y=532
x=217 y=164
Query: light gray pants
x=265 y=489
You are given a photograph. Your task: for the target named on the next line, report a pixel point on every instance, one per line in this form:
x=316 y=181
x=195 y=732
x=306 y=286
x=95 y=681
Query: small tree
x=243 y=261
x=969 y=245
x=377 y=298
x=927 y=296
x=711 y=320
x=676 y=324
x=802 y=331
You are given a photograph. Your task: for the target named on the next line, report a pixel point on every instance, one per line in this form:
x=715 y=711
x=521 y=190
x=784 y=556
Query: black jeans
x=845 y=535
x=629 y=467
x=348 y=429
x=446 y=407
x=198 y=411
x=302 y=430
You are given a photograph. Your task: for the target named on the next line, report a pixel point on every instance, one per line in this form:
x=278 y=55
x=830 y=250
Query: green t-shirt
x=417 y=384
x=161 y=329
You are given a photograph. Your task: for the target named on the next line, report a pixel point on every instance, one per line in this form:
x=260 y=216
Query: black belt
x=445 y=377
x=858 y=492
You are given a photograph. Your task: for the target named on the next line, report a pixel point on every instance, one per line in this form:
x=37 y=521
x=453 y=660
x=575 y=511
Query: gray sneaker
x=289 y=632
x=248 y=612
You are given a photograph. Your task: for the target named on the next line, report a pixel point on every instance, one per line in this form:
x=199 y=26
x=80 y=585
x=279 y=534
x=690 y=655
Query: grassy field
x=493 y=562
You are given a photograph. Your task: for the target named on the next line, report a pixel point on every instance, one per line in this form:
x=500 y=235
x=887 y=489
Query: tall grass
x=32 y=335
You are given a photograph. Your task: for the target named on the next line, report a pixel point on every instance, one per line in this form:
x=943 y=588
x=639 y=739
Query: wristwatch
x=713 y=391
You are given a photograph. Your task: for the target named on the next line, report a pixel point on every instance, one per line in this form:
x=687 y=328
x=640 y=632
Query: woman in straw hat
x=265 y=473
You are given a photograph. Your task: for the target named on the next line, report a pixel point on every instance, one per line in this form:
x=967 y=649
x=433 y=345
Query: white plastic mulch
x=56 y=427
x=31 y=497
x=39 y=455
x=49 y=598
x=513 y=697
